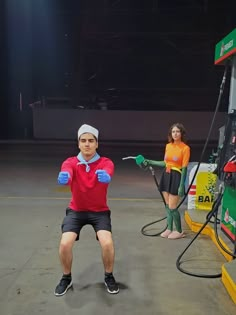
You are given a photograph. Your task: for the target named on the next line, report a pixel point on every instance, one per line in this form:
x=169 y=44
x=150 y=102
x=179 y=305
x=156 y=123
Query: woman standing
x=176 y=159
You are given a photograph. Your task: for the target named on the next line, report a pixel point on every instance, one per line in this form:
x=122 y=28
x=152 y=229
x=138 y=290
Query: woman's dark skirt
x=169 y=182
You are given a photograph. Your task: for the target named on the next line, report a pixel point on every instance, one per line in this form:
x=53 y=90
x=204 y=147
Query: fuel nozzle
x=230 y=172
x=230 y=166
x=141 y=162
x=139 y=159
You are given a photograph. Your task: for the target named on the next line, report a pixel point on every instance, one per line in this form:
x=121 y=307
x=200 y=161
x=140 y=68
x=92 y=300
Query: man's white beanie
x=87 y=129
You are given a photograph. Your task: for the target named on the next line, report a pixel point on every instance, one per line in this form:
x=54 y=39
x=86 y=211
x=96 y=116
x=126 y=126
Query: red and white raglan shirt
x=88 y=194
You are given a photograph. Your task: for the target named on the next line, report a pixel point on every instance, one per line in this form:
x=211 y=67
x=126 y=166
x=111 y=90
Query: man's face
x=88 y=145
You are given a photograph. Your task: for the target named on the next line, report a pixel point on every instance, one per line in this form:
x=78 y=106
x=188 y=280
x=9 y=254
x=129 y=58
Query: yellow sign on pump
x=205 y=189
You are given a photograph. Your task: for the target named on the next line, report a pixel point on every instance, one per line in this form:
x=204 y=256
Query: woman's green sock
x=169 y=218
x=177 y=219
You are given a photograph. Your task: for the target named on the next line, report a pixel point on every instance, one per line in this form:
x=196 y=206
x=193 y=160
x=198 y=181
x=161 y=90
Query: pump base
x=195 y=220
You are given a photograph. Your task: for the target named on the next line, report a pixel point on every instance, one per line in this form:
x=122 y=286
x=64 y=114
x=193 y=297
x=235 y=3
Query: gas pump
x=228 y=213
x=225 y=52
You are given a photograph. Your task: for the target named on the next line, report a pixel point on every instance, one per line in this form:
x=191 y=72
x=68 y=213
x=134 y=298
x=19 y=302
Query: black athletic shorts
x=74 y=221
x=170 y=182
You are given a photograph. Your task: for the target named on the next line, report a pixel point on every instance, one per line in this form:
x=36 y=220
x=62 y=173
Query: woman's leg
x=169 y=216
x=177 y=220
x=173 y=204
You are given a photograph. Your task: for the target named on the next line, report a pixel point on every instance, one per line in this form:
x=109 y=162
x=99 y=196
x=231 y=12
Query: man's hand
x=63 y=178
x=103 y=176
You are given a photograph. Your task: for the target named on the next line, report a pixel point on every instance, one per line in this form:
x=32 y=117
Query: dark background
x=127 y=55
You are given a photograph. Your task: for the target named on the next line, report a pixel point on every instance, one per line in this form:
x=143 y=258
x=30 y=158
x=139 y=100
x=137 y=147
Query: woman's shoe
x=166 y=233
x=175 y=235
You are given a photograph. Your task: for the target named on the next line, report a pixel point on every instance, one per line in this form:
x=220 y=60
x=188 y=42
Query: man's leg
x=108 y=257
x=66 y=257
x=108 y=252
x=65 y=251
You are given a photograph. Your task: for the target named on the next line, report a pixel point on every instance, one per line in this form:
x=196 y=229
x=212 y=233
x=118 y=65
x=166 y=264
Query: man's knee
x=67 y=241
x=105 y=239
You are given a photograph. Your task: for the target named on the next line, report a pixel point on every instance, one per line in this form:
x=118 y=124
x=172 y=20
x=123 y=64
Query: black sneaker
x=112 y=286
x=64 y=284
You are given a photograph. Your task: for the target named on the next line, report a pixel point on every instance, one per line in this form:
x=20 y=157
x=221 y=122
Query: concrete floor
x=32 y=207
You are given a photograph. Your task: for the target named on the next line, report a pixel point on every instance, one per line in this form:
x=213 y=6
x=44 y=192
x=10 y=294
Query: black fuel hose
x=216 y=204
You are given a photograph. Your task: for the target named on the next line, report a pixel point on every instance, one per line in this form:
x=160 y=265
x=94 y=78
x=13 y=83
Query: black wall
x=131 y=55
x=3 y=75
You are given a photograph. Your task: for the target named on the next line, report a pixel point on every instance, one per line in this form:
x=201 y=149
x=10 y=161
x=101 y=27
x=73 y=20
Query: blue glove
x=63 y=178
x=103 y=176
